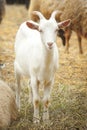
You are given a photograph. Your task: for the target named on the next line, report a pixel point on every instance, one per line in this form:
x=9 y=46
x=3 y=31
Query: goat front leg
x=46 y=101
x=35 y=91
x=18 y=86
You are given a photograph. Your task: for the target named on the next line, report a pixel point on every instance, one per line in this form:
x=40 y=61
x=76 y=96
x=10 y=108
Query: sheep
x=36 y=56
x=75 y=10
x=45 y=7
x=2 y=9
x=8 y=107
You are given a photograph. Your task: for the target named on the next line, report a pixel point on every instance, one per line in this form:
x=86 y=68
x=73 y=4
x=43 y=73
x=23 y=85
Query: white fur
x=37 y=59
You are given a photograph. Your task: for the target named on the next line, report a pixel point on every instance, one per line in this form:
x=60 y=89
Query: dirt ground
x=68 y=109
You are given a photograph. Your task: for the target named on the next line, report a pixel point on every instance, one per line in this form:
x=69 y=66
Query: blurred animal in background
x=2 y=9
x=76 y=10
x=8 y=108
x=2 y=13
x=46 y=7
x=61 y=34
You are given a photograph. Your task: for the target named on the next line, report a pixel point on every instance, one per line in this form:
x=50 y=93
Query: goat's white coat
x=33 y=55
x=35 y=59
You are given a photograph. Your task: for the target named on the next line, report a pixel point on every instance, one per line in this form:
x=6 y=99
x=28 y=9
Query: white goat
x=37 y=57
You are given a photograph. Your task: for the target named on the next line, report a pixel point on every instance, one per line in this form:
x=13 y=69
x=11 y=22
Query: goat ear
x=64 y=24
x=32 y=25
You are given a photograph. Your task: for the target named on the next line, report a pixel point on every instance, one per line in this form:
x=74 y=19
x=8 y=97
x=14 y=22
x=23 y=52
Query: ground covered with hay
x=68 y=109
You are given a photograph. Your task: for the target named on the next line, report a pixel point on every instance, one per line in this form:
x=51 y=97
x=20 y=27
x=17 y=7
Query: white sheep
x=37 y=57
x=8 y=107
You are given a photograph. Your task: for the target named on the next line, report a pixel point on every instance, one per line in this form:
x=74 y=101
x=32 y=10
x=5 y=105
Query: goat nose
x=50 y=44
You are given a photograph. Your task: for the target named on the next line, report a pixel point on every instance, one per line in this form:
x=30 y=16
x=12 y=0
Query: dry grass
x=68 y=109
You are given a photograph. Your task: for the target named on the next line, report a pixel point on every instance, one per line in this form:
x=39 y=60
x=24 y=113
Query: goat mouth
x=50 y=47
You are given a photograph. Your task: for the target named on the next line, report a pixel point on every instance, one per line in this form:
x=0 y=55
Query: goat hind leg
x=30 y=93
x=18 y=86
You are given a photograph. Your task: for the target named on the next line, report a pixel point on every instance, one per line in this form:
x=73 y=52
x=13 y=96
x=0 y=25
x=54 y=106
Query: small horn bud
x=38 y=14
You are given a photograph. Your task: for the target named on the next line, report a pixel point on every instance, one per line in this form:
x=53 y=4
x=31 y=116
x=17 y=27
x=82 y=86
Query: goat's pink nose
x=50 y=44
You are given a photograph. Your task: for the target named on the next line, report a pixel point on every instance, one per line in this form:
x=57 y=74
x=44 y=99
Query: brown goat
x=76 y=10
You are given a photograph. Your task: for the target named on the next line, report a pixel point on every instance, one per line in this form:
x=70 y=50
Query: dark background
x=26 y=2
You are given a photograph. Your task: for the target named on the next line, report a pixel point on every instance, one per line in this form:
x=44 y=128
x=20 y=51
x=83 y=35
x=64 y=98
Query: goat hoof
x=36 y=120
